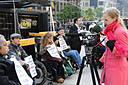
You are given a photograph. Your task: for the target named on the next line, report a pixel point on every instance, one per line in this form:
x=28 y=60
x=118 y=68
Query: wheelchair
x=66 y=66
x=40 y=67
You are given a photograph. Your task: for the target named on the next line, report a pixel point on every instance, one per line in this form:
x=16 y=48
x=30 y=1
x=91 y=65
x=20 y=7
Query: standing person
x=73 y=53
x=75 y=40
x=53 y=62
x=115 y=70
x=55 y=26
x=8 y=74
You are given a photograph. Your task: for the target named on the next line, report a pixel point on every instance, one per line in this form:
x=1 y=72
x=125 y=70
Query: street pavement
x=86 y=78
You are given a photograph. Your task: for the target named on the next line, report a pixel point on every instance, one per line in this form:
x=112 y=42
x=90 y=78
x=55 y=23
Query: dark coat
x=8 y=75
x=75 y=40
x=13 y=50
x=66 y=40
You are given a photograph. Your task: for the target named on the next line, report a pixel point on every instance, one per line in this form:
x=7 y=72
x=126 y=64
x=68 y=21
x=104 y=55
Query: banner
x=29 y=60
x=53 y=51
x=62 y=43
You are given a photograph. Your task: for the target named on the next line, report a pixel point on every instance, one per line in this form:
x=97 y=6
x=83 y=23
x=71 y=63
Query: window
x=86 y=4
x=100 y=2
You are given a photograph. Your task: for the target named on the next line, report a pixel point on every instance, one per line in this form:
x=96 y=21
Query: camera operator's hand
x=110 y=44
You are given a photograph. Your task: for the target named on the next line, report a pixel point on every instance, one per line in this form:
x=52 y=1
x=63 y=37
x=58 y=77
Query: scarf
x=109 y=32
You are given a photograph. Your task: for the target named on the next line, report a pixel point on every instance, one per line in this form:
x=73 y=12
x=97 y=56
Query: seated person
x=8 y=74
x=53 y=62
x=68 y=52
x=16 y=50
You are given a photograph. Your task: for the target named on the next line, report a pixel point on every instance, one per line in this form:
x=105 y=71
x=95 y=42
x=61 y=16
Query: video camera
x=88 y=39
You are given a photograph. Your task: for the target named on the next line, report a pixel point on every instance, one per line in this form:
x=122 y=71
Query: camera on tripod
x=89 y=39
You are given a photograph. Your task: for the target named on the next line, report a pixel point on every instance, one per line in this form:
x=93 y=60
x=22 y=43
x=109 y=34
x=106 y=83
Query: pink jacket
x=115 y=65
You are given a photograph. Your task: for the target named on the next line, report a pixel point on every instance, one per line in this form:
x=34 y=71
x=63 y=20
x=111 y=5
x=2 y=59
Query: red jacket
x=115 y=65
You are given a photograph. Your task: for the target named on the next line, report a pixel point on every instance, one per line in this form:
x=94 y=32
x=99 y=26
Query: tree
x=69 y=12
x=96 y=29
x=99 y=12
x=90 y=14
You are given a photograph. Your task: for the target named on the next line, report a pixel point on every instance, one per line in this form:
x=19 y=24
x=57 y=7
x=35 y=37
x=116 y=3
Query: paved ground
x=85 y=79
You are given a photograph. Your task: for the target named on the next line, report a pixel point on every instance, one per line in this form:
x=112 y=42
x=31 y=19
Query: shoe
x=60 y=80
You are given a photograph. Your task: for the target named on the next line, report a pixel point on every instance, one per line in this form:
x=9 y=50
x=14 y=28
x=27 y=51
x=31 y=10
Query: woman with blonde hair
x=115 y=56
x=52 y=62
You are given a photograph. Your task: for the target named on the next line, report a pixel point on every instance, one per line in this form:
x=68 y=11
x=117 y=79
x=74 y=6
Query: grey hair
x=1 y=40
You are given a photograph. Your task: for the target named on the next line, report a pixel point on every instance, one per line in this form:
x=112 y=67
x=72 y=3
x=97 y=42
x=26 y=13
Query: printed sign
x=29 y=60
x=53 y=51
x=21 y=73
x=62 y=43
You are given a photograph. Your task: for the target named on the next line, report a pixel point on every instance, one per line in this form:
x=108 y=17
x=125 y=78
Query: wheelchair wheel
x=41 y=77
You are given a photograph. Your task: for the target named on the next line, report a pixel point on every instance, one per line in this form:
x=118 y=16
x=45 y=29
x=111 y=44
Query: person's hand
x=48 y=45
x=59 y=60
x=110 y=44
x=56 y=42
x=28 y=67
x=21 y=62
x=68 y=47
x=35 y=65
x=78 y=30
x=59 y=36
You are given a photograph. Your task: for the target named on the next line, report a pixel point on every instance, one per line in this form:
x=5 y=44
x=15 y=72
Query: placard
x=29 y=61
x=21 y=73
x=53 y=51
x=62 y=43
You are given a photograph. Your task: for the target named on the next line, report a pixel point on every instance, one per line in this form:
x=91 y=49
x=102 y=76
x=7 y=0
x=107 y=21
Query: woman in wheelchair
x=55 y=64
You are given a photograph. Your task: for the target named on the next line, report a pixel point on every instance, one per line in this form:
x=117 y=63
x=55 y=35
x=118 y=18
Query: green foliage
x=69 y=12
x=99 y=12
x=90 y=14
x=96 y=29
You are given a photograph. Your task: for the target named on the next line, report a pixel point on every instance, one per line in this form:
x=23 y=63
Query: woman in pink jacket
x=115 y=63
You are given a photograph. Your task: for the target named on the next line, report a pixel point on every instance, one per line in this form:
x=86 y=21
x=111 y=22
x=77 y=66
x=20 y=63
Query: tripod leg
x=97 y=75
x=81 y=69
x=92 y=73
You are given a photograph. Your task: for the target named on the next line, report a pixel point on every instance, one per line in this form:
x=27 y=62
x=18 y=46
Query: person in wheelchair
x=67 y=51
x=53 y=63
x=15 y=49
x=8 y=75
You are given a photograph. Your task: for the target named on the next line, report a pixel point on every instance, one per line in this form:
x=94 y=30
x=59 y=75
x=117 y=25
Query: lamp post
x=14 y=14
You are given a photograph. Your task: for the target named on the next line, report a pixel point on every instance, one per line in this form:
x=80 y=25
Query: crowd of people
x=114 y=58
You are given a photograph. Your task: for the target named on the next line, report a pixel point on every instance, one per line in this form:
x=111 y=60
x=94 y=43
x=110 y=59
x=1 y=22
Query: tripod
x=90 y=54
